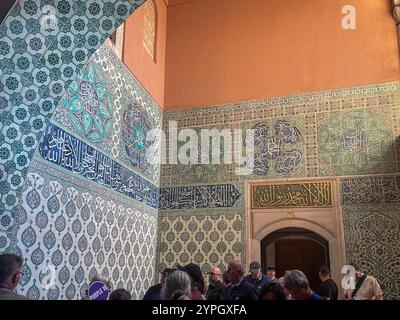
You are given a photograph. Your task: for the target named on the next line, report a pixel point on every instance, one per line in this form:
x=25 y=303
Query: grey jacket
x=6 y=294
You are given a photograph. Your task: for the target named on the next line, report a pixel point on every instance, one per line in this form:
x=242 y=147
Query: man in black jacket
x=216 y=289
x=241 y=289
x=328 y=288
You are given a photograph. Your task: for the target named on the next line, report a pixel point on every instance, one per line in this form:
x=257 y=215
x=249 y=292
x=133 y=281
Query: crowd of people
x=187 y=283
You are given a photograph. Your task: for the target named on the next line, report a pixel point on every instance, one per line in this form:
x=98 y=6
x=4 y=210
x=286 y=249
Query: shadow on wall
x=397 y=147
x=5 y=7
x=392 y=156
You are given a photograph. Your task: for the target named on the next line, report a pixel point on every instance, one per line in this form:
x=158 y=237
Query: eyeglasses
x=213 y=274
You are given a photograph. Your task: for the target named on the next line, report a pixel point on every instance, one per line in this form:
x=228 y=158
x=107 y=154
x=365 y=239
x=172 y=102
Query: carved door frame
x=326 y=221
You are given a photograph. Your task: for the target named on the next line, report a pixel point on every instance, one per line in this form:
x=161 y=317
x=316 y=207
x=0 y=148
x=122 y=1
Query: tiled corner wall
x=90 y=200
x=43 y=46
x=78 y=195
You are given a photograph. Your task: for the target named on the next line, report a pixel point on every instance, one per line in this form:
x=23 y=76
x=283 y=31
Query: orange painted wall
x=221 y=51
x=150 y=73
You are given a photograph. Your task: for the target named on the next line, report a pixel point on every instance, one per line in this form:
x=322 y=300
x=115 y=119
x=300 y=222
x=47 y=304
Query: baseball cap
x=255 y=266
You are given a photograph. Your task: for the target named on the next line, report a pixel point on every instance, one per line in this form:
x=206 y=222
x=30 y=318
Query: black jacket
x=216 y=291
x=243 y=291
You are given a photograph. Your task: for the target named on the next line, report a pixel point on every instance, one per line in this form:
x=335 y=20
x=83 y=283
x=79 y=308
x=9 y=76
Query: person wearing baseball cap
x=256 y=278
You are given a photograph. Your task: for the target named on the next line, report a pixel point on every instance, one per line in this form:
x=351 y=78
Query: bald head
x=216 y=270
x=215 y=274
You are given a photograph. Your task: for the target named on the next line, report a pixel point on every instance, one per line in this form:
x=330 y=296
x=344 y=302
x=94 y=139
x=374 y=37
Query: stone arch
x=336 y=253
x=304 y=224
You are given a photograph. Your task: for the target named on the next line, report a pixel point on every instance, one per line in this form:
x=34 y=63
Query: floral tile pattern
x=372 y=239
x=75 y=230
x=356 y=142
x=43 y=46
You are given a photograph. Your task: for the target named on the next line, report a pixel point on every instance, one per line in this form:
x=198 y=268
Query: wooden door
x=303 y=254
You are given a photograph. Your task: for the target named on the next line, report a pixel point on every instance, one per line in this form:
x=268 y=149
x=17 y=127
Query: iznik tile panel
x=85 y=211
x=278 y=147
x=72 y=230
x=337 y=133
x=372 y=239
x=205 y=239
x=68 y=152
x=89 y=204
x=107 y=107
x=381 y=189
x=43 y=46
x=356 y=142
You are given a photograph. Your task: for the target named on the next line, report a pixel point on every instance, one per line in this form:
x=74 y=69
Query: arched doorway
x=295 y=248
x=317 y=226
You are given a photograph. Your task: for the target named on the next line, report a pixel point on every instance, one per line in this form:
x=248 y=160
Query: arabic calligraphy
x=355 y=142
x=312 y=194
x=211 y=196
x=70 y=153
x=384 y=189
x=276 y=148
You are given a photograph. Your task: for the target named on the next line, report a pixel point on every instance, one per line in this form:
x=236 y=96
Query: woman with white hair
x=282 y=284
x=297 y=285
x=177 y=286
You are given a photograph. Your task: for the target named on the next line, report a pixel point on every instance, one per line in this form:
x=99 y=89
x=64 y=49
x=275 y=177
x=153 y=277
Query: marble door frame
x=325 y=221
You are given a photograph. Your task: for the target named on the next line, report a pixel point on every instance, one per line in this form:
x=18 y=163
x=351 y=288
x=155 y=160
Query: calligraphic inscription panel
x=356 y=142
x=278 y=147
x=309 y=194
x=70 y=153
x=382 y=189
x=211 y=196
